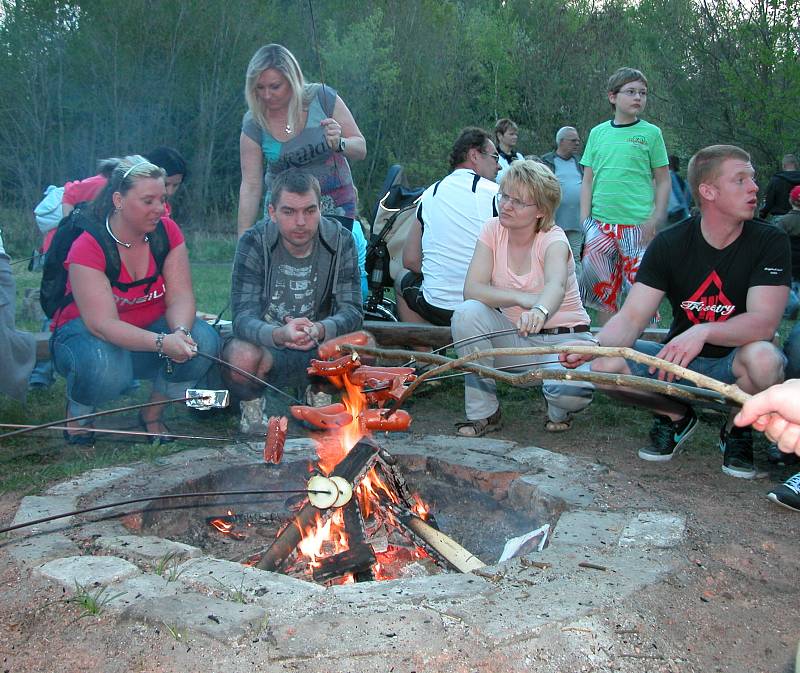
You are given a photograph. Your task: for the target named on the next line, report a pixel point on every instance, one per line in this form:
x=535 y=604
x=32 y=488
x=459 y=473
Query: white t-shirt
x=2 y=249
x=452 y=212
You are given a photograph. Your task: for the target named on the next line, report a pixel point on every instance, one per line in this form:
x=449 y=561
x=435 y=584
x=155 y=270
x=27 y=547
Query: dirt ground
x=731 y=607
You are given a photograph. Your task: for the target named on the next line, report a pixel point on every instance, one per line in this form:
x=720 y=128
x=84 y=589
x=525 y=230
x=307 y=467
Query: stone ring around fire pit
x=620 y=551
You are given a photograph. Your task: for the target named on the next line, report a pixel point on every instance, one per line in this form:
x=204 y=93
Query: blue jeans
x=98 y=371
x=792 y=351
x=717 y=368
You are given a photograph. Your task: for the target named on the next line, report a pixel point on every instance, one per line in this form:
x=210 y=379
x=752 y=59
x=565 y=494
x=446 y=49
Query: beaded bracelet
x=160 y=345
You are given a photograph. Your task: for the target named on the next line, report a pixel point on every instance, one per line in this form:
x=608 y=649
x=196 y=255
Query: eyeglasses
x=494 y=156
x=516 y=204
x=633 y=92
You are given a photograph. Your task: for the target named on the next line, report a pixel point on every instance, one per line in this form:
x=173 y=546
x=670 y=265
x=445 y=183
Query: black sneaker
x=778 y=457
x=737 y=450
x=666 y=436
x=787 y=494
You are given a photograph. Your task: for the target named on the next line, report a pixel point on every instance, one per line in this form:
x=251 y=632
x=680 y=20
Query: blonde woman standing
x=291 y=124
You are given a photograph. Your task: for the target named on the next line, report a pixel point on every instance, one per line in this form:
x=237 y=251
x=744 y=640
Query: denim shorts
x=720 y=369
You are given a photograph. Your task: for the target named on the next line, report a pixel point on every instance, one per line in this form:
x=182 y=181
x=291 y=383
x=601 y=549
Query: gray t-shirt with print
x=293 y=295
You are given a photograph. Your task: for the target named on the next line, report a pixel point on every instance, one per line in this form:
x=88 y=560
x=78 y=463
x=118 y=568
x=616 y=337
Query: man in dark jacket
x=295 y=284
x=776 y=199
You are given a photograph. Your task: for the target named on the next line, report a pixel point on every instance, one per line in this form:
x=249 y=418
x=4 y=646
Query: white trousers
x=474 y=318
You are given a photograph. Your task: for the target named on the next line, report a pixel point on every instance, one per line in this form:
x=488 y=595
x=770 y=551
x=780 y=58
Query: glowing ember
x=227 y=527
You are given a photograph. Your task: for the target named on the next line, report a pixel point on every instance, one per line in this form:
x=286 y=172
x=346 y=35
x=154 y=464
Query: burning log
x=352 y=467
x=357 y=560
x=354 y=526
x=458 y=557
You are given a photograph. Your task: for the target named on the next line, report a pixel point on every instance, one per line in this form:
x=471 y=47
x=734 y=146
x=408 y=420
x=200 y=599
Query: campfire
x=360 y=522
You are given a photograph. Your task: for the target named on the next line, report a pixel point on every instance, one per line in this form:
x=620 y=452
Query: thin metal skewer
x=248 y=375
x=95 y=414
x=487 y=335
x=154 y=497
x=136 y=433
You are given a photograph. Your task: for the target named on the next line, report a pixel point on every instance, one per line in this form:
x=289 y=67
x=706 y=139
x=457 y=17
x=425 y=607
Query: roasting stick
x=64 y=421
x=728 y=391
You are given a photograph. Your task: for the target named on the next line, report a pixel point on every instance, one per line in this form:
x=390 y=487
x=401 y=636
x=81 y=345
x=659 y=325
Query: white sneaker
x=252 y=421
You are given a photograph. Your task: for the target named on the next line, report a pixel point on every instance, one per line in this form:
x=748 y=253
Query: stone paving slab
x=545 y=497
x=147 y=549
x=358 y=635
x=88 y=481
x=35 y=507
x=88 y=570
x=587 y=528
x=414 y=591
x=654 y=529
x=141 y=588
x=219 y=619
x=432 y=445
x=218 y=576
x=37 y=549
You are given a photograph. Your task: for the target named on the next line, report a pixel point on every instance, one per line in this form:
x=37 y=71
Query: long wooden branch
x=728 y=391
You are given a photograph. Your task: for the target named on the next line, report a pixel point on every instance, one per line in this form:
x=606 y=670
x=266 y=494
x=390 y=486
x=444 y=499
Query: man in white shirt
x=442 y=239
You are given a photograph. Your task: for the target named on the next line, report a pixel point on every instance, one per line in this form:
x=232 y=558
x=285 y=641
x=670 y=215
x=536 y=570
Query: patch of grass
x=175 y=632
x=236 y=594
x=168 y=567
x=92 y=602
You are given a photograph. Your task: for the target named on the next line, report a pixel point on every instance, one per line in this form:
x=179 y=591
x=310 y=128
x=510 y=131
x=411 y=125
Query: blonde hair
x=122 y=175
x=538 y=183
x=277 y=57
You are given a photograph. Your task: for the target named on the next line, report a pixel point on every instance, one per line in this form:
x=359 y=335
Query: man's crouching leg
x=254 y=360
x=757 y=366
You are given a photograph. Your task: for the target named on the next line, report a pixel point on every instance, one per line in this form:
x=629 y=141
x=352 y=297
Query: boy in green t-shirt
x=620 y=207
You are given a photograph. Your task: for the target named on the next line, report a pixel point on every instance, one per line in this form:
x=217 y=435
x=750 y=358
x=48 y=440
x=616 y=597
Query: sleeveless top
x=309 y=151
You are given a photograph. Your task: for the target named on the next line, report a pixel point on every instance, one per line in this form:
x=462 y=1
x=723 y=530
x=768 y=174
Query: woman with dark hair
x=138 y=323
x=293 y=124
x=506 y=134
x=174 y=166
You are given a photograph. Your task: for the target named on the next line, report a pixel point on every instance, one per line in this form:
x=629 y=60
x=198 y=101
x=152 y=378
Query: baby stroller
x=391 y=220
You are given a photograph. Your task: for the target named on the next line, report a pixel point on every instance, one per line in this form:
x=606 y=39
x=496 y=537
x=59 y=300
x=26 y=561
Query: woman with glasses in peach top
x=522 y=280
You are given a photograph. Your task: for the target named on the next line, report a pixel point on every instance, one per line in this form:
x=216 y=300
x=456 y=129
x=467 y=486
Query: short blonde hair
x=704 y=167
x=538 y=183
x=277 y=57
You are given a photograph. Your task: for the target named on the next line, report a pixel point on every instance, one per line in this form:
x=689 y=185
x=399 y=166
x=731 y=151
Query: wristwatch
x=341 y=145
x=542 y=309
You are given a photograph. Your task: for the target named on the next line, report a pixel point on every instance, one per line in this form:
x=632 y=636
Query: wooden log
x=352 y=468
x=354 y=527
x=445 y=546
x=358 y=560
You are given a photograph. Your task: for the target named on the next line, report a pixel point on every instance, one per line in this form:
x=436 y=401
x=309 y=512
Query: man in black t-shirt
x=727 y=278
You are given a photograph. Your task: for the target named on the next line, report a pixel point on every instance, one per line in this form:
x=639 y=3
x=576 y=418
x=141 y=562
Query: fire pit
x=380 y=545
